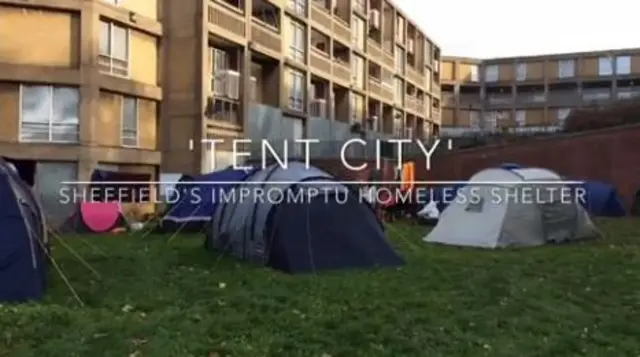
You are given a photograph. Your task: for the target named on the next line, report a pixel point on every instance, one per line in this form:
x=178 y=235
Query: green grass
x=173 y=299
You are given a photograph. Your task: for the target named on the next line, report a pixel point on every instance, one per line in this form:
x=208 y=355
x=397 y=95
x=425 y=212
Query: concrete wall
x=609 y=155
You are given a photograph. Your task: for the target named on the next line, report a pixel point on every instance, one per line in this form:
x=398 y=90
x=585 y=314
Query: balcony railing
x=531 y=98
x=342 y=72
x=596 y=95
x=448 y=99
x=409 y=102
x=626 y=93
x=321 y=17
x=387 y=91
x=266 y=37
x=374 y=50
x=500 y=99
x=226 y=20
x=388 y=59
x=563 y=98
x=375 y=87
x=435 y=90
x=341 y=30
x=415 y=76
x=320 y=61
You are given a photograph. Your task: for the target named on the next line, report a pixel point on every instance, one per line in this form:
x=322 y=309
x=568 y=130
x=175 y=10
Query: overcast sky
x=501 y=28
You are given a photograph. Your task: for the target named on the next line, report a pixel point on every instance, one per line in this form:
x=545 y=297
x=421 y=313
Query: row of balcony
x=538 y=98
x=229 y=22
x=477 y=131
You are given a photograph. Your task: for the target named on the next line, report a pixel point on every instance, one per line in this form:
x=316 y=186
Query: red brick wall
x=609 y=155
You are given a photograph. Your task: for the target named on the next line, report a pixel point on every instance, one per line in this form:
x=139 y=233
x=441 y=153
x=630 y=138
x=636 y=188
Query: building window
x=491 y=73
x=473 y=73
x=297 y=43
x=623 y=65
x=296 y=91
x=605 y=66
x=400 y=59
x=357 y=104
x=521 y=118
x=399 y=91
x=114 y=49
x=219 y=61
x=398 y=121
x=400 y=29
x=429 y=82
x=521 y=72
x=49 y=114
x=566 y=68
x=298 y=6
x=357 y=32
x=357 y=69
x=130 y=120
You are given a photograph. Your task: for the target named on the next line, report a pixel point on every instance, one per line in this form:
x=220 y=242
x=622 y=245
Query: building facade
x=532 y=94
x=278 y=69
x=79 y=90
x=79 y=85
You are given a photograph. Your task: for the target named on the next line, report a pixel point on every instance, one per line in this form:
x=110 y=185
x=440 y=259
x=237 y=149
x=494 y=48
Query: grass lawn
x=173 y=299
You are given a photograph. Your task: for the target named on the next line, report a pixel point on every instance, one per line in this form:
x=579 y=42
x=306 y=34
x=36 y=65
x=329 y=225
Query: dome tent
x=493 y=216
x=296 y=236
x=24 y=246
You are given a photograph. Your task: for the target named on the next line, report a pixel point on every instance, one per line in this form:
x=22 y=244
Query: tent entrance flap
x=326 y=233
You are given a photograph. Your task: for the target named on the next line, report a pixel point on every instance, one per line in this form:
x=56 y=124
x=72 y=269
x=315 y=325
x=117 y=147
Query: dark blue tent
x=602 y=200
x=194 y=201
x=297 y=220
x=23 y=240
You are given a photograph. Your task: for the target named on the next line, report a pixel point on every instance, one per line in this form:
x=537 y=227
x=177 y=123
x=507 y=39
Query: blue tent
x=194 y=201
x=602 y=200
x=300 y=219
x=23 y=240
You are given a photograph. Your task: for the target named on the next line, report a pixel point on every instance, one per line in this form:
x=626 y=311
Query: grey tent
x=299 y=219
x=513 y=207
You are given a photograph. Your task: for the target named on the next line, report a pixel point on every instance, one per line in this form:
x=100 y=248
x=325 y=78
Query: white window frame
x=297 y=41
x=567 y=68
x=521 y=72
x=400 y=59
x=624 y=62
x=356 y=106
x=296 y=93
x=357 y=67
x=108 y=60
x=473 y=73
x=358 y=33
x=125 y=133
x=521 y=118
x=51 y=124
x=491 y=73
x=401 y=25
x=605 y=66
x=398 y=90
x=298 y=7
x=218 y=66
